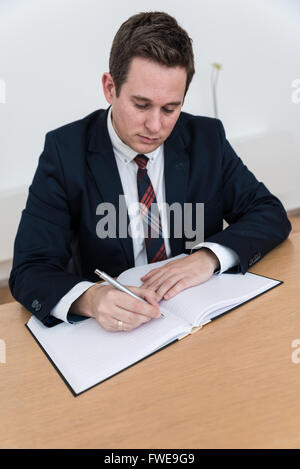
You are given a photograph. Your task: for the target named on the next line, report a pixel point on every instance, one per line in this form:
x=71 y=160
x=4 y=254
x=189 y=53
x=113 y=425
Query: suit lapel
x=102 y=163
x=176 y=181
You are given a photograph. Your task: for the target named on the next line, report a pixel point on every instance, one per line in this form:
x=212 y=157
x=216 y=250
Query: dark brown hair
x=151 y=35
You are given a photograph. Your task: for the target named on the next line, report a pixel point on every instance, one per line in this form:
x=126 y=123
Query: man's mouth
x=147 y=139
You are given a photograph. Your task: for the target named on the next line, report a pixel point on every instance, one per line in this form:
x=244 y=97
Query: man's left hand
x=180 y=274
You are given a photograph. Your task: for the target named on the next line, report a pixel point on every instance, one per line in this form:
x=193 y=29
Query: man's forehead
x=147 y=73
x=148 y=100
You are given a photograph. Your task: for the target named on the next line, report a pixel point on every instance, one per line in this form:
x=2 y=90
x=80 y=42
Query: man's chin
x=146 y=147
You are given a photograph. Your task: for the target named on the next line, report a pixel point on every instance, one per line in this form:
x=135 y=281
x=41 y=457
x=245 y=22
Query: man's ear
x=108 y=85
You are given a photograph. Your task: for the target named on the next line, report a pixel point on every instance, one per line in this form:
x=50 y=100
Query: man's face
x=149 y=103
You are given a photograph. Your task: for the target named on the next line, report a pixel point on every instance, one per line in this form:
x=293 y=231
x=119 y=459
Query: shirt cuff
x=60 y=310
x=227 y=257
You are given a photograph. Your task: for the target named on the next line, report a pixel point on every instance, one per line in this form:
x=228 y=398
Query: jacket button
x=36 y=305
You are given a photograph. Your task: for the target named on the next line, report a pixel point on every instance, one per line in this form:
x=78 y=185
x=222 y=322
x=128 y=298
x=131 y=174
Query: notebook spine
x=193 y=330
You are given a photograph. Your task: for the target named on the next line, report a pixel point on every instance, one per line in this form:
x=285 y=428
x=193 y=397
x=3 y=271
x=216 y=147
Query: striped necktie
x=155 y=246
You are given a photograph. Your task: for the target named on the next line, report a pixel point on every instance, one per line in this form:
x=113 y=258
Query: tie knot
x=141 y=161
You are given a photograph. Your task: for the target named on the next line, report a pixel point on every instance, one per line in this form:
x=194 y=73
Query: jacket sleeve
x=257 y=220
x=42 y=249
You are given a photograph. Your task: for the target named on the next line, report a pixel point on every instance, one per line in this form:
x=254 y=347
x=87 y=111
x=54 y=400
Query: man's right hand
x=109 y=306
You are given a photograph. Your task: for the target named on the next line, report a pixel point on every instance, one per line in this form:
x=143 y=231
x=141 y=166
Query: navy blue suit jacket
x=56 y=244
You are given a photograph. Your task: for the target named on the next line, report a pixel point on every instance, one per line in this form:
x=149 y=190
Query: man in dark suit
x=145 y=148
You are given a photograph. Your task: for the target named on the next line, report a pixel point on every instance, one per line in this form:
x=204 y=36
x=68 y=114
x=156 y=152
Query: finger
x=156 y=283
x=151 y=273
x=147 y=295
x=132 y=305
x=125 y=315
x=129 y=320
x=167 y=285
x=152 y=298
x=120 y=326
x=177 y=288
x=155 y=279
x=172 y=268
x=110 y=323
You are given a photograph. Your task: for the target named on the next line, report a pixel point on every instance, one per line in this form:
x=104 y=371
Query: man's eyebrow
x=147 y=100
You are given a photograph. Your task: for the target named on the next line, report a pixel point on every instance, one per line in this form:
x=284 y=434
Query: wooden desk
x=231 y=385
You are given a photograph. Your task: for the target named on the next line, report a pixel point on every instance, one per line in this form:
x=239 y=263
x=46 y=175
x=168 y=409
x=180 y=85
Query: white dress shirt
x=128 y=174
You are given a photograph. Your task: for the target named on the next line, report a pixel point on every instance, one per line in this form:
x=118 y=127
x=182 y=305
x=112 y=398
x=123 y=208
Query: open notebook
x=86 y=354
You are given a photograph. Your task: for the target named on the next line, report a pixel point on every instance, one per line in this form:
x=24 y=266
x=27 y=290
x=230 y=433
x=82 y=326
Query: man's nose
x=153 y=122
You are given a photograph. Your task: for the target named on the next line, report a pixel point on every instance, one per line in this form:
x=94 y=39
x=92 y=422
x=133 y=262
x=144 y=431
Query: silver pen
x=120 y=287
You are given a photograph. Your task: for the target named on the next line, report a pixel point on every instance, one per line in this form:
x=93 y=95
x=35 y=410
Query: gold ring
x=120 y=325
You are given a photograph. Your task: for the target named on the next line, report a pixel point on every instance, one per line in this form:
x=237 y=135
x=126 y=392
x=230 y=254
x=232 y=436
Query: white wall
x=53 y=54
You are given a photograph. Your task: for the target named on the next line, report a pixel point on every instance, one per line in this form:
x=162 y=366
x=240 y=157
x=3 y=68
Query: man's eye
x=141 y=106
x=168 y=111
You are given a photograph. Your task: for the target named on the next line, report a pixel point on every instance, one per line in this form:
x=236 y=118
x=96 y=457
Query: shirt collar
x=123 y=151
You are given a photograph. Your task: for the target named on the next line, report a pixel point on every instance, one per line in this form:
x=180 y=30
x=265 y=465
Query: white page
x=197 y=304
x=86 y=354
x=219 y=293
